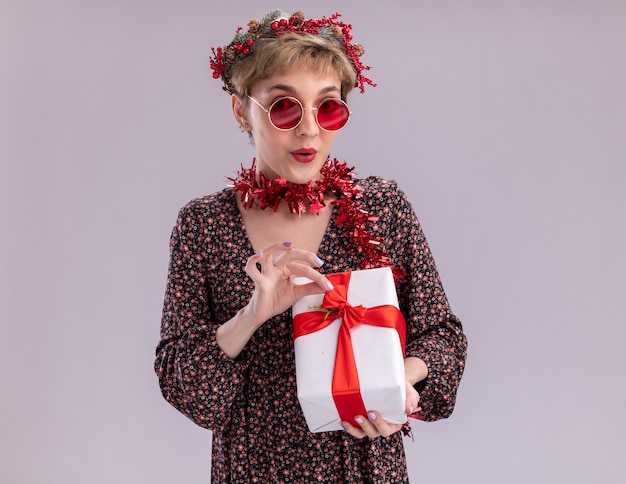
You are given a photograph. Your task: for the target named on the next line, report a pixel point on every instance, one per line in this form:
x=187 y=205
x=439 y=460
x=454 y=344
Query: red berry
x=274 y=25
x=249 y=42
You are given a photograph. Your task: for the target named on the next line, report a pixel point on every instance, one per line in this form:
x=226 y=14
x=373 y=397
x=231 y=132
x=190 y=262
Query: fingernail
x=287 y=244
x=411 y=409
x=344 y=426
x=258 y=254
x=329 y=285
x=372 y=416
x=319 y=261
x=358 y=420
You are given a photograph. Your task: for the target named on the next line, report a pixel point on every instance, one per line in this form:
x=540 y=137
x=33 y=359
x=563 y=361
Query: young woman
x=226 y=355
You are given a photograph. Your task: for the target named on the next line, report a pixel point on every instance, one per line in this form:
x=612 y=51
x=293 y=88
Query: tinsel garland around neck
x=338 y=180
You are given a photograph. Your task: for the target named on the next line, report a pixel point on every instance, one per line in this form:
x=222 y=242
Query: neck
x=338 y=186
x=258 y=190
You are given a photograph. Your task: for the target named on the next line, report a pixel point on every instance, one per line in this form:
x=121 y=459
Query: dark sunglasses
x=286 y=113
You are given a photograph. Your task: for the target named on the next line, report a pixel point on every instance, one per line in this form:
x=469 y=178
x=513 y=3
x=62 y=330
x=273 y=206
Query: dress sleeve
x=195 y=375
x=434 y=334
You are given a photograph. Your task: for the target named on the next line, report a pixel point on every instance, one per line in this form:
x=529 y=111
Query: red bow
x=346 y=389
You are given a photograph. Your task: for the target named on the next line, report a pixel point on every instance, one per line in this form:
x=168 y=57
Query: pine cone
x=336 y=30
x=298 y=17
x=230 y=55
x=360 y=49
x=255 y=27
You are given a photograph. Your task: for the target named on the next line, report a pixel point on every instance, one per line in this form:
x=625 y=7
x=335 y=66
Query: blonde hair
x=278 y=55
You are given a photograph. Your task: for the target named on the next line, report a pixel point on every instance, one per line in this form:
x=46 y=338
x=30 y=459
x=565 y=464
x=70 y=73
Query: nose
x=308 y=127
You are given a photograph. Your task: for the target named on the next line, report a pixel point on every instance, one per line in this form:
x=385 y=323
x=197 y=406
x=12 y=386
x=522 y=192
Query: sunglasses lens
x=333 y=114
x=285 y=113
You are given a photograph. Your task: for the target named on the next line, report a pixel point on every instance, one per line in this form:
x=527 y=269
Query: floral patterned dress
x=250 y=403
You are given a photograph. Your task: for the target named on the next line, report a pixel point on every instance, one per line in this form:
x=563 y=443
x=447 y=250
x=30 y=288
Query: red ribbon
x=346 y=389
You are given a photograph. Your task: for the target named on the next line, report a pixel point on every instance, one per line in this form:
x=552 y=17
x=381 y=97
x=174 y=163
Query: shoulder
x=377 y=190
x=388 y=203
x=208 y=208
x=215 y=202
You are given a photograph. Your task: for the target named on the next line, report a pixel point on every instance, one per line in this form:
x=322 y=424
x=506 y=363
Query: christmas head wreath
x=273 y=25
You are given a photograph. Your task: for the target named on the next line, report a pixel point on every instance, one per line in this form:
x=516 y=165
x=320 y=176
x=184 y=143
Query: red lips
x=304 y=155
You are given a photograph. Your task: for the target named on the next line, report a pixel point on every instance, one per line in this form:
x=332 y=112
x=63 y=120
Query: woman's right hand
x=273 y=270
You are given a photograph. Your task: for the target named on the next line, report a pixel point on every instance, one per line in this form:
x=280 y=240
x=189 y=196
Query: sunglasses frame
x=302 y=109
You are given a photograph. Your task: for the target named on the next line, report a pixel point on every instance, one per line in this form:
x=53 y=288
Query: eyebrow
x=292 y=90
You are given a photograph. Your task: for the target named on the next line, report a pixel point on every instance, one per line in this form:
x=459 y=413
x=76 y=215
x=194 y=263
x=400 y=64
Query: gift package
x=349 y=350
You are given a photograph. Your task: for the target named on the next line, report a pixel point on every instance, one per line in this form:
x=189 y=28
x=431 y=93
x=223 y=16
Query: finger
x=411 y=405
x=352 y=430
x=412 y=399
x=319 y=283
x=380 y=426
x=260 y=265
x=416 y=413
x=301 y=256
x=366 y=426
x=277 y=248
x=310 y=289
x=251 y=267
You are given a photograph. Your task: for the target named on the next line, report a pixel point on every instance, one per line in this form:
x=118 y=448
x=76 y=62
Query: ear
x=238 y=110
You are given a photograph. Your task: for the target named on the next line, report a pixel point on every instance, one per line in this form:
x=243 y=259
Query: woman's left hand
x=373 y=425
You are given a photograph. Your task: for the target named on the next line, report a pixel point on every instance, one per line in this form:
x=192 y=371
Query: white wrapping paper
x=377 y=351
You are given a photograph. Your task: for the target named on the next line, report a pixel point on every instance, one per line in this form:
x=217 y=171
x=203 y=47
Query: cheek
x=328 y=138
x=267 y=138
x=256 y=117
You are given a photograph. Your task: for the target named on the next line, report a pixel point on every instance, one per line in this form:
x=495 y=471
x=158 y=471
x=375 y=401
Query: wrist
x=246 y=318
x=234 y=334
x=415 y=370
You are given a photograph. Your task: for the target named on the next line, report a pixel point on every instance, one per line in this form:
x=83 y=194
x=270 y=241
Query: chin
x=305 y=176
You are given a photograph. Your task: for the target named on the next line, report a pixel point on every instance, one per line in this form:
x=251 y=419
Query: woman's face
x=296 y=155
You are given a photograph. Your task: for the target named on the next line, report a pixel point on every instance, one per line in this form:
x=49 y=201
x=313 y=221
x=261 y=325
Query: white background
x=504 y=121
